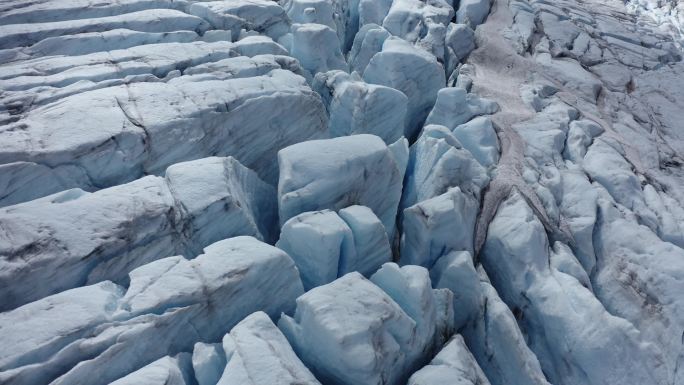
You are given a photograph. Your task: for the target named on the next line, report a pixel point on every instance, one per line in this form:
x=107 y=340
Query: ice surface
x=519 y=160
x=412 y=71
x=326 y=245
x=434 y=227
x=336 y=173
x=169 y=305
x=316 y=46
x=437 y=162
x=134 y=125
x=258 y=353
x=164 y=371
x=553 y=303
x=356 y=107
x=351 y=332
x=75 y=238
x=453 y=365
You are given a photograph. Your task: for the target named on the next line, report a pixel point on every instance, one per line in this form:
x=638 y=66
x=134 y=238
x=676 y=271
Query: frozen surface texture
x=381 y=192
x=170 y=304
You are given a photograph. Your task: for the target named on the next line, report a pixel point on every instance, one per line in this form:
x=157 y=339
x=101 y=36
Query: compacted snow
x=341 y=192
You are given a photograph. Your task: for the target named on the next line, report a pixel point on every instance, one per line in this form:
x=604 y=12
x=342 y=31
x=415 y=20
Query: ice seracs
x=357 y=107
x=170 y=304
x=165 y=371
x=454 y=364
x=607 y=350
x=341 y=192
x=390 y=67
x=336 y=173
x=135 y=121
x=434 y=227
x=258 y=353
x=326 y=245
x=371 y=338
x=438 y=161
x=262 y=16
x=76 y=238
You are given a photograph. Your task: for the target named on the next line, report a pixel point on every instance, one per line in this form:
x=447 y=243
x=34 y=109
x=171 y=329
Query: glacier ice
x=351 y=331
x=454 y=364
x=317 y=48
x=135 y=120
x=438 y=161
x=472 y=12
x=326 y=245
x=263 y=16
x=336 y=173
x=165 y=371
x=258 y=353
x=472 y=192
x=356 y=107
x=390 y=67
x=74 y=238
x=552 y=305
x=436 y=226
x=169 y=305
x=318 y=242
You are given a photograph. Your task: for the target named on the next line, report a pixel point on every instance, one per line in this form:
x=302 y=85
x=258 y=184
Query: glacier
x=341 y=192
